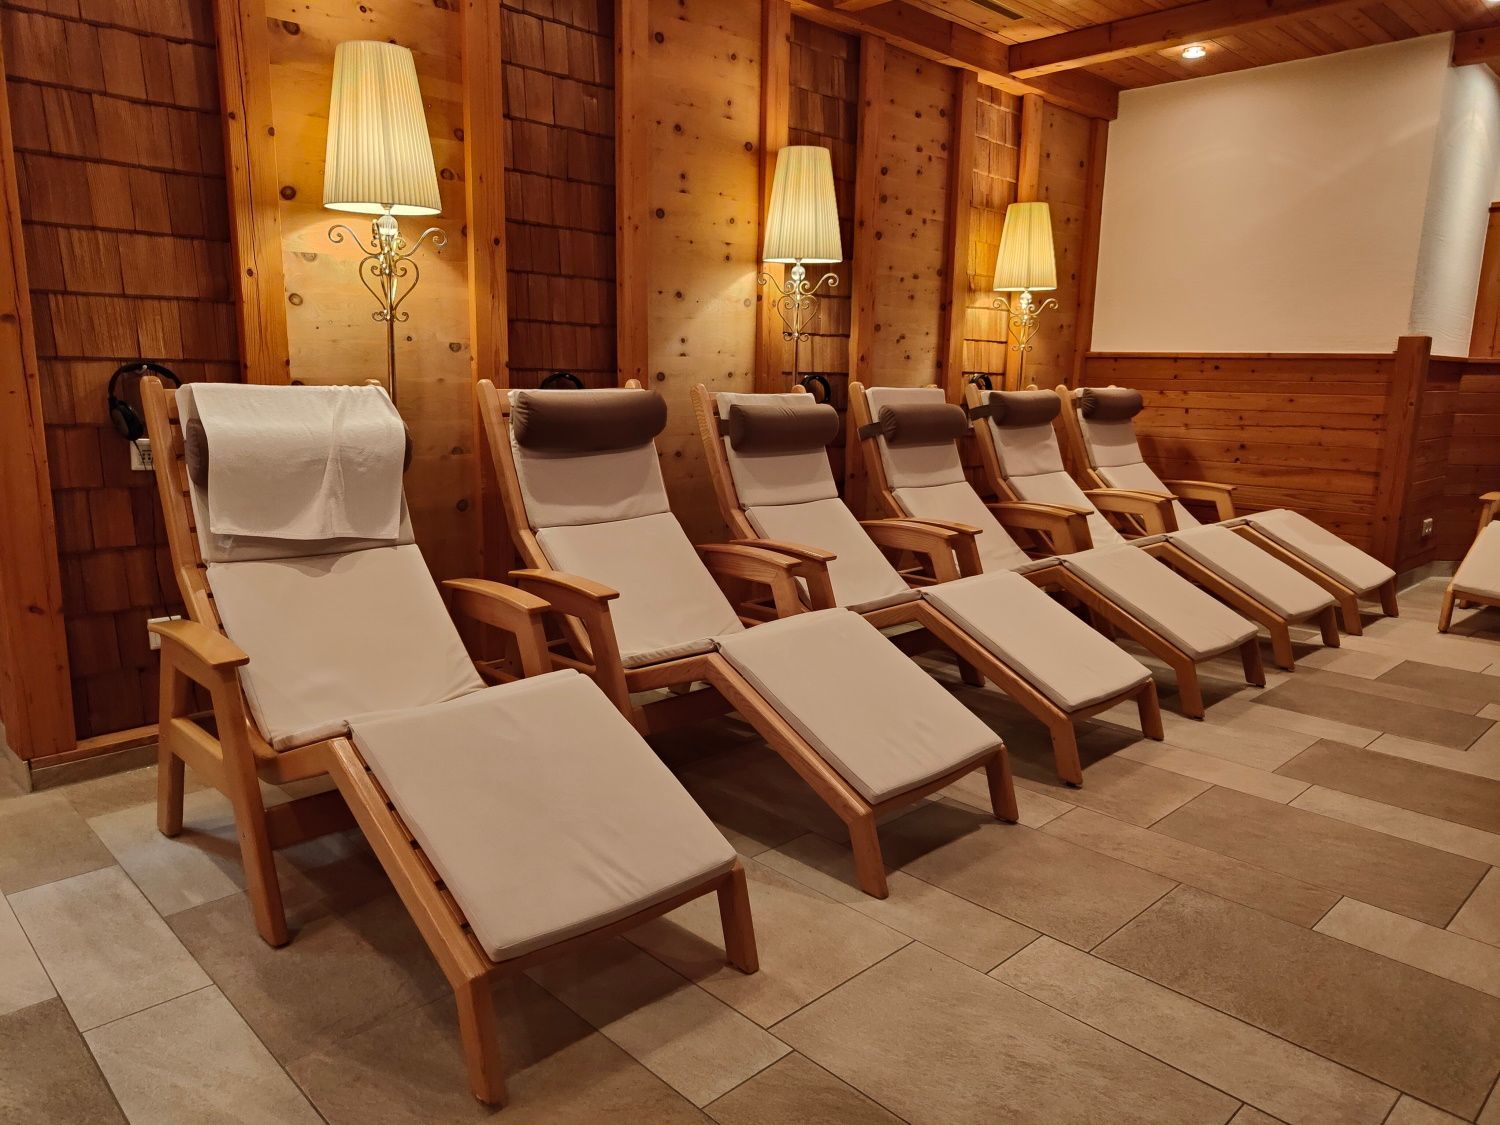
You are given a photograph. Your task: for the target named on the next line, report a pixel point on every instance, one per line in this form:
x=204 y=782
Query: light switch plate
x=152 y=638
x=1426 y=527
x=140 y=455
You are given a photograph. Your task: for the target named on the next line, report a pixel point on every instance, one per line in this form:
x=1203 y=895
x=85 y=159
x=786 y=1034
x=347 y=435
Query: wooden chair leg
x=169 y=786
x=261 y=883
x=1065 y=752
x=1328 y=622
x=1190 y=691
x=1255 y=671
x=1388 y=599
x=1349 y=614
x=869 y=866
x=479 y=1029
x=970 y=674
x=739 y=927
x=1150 y=708
x=1281 y=646
x=1445 y=615
x=1002 y=788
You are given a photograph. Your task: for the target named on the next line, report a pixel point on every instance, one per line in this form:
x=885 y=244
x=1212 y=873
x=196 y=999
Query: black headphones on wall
x=125 y=418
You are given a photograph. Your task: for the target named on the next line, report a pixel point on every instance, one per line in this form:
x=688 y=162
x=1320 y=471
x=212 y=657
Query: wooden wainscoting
x=1464 y=420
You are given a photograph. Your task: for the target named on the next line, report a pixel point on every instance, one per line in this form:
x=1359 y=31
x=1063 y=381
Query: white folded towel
x=302 y=463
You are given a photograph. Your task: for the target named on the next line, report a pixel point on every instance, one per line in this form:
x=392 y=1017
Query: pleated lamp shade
x=379 y=154
x=1026 y=260
x=803 y=222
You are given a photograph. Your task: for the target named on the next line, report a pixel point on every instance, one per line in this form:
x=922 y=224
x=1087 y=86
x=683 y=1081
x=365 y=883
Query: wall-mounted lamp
x=1194 y=51
x=1025 y=265
x=802 y=227
x=380 y=163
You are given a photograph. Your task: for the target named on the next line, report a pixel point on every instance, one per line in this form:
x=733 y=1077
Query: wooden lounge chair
x=1099 y=428
x=1477 y=581
x=909 y=439
x=1023 y=460
x=588 y=512
x=516 y=822
x=776 y=492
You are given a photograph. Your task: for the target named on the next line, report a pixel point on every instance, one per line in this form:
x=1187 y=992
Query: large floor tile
x=1214 y=770
x=342 y=972
x=1480 y=916
x=691 y=1040
x=1419 y=1033
x=1446 y=683
x=42 y=840
x=1050 y=885
x=796 y=1090
x=116 y=791
x=194 y=1059
x=409 y=1070
x=47 y=1076
x=1419 y=828
x=935 y=1041
x=1409 y=1111
x=108 y=953
x=1123 y=789
x=808 y=944
x=23 y=981
x=1182 y=862
x=1034 y=808
x=1294 y=1084
x=1440 y=952
x=1409 y=878
x=964 y=931
x=1421 y=721
x=1256 y=722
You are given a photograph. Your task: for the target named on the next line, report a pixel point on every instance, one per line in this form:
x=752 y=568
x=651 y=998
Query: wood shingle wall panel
x=120 y=171
x=1066 y=147
x=996 y=156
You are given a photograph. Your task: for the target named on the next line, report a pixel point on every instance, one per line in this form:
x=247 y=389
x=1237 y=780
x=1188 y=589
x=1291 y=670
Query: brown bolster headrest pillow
x=778 y=427
x=195 y=451
x=1023 y=408
x=587 y=421
x=923 y=423
x=1109 y=404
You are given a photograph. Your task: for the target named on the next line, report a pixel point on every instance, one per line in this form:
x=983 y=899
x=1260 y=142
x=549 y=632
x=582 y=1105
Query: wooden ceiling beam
x=931 y=36
x=1154 y=31
x=1481 y=45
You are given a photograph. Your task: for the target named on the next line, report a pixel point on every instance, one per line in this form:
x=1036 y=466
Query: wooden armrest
x=588 y=601
x=504 y=607
x=1490 y=497
x=1154 y=508
x=780 y=547
x=200 y=645
x=946 y=525
x=950 y=553
x=770 y=568
x=556 y=580
x=1221 y=496
x=1065 y=525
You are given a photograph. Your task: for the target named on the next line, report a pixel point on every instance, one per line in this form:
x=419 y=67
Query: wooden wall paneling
x=250 y=167
x=703 y=70
x=1029 y=167
x=996 y=166
x=1427 y=478
x=1472 y=454
x=331 y=335
x=1402 y=409
x=1088 y=265
x=1486 y=336
x=775 y=126
x=956 y=229
x=633 y=122
x=862 y=312
x=36 y=697
x=1064 y=183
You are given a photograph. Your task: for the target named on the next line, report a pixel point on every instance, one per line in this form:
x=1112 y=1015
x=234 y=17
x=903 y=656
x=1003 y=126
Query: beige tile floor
x=1288 y=912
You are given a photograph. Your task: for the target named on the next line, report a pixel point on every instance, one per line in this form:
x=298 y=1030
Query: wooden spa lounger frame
x=1154 y=511
x=1155 y=515
x=590 y=634
x=1067 y=529
x=949 y=552
x=1452 y=597
x=232 y=757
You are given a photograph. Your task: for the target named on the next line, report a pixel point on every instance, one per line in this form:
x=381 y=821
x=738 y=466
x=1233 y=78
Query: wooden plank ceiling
x=1339 y=27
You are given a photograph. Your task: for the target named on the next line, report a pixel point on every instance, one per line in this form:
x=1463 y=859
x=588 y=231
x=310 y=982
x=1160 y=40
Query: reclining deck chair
x=1477 y=581
x=776 y=492
x=516 y=822
x=588 y=513
x=1101 y=432
x=909 y=439
x=1022 y=460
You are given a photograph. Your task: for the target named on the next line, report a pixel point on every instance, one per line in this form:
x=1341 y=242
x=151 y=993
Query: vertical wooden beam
x=36 y=706
x=484 y=195
x=957 y=231
x=632 y=190
x=1029 y=167
x=1403 y=409
x=1088 y=266
x=1486 y=338
x=250 y=175
x=775 y=115
x=862 y=324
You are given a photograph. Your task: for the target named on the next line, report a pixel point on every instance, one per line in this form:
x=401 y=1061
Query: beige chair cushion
x=1259 y=573
x=1323 y=549
x=544 y=812
x=1039 y=640
x=914 y=466
x=775 y=477
x=960 y=503
x=1142 y=478
x=1032 y=464
x=872 y=714
x=1159 y=597
x=863 y=579
x=1479 y=573
x=571 y=489
x=1110 y=443
x=669 y=604
x=1060 y=488
x=338 y=635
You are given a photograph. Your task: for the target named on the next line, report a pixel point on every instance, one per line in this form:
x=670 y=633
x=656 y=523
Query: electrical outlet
x=1427 y=527
x=152 y=638
x=140 y=455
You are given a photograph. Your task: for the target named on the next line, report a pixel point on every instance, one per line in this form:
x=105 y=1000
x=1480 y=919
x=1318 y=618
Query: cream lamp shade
x=379 y=154
x=1026 y=261
x=803 y=222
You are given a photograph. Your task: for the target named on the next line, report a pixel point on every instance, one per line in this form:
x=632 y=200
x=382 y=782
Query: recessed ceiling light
x=1194 y=51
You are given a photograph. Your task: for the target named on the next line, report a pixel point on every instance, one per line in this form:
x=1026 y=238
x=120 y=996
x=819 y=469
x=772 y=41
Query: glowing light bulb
x=1194 y=51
